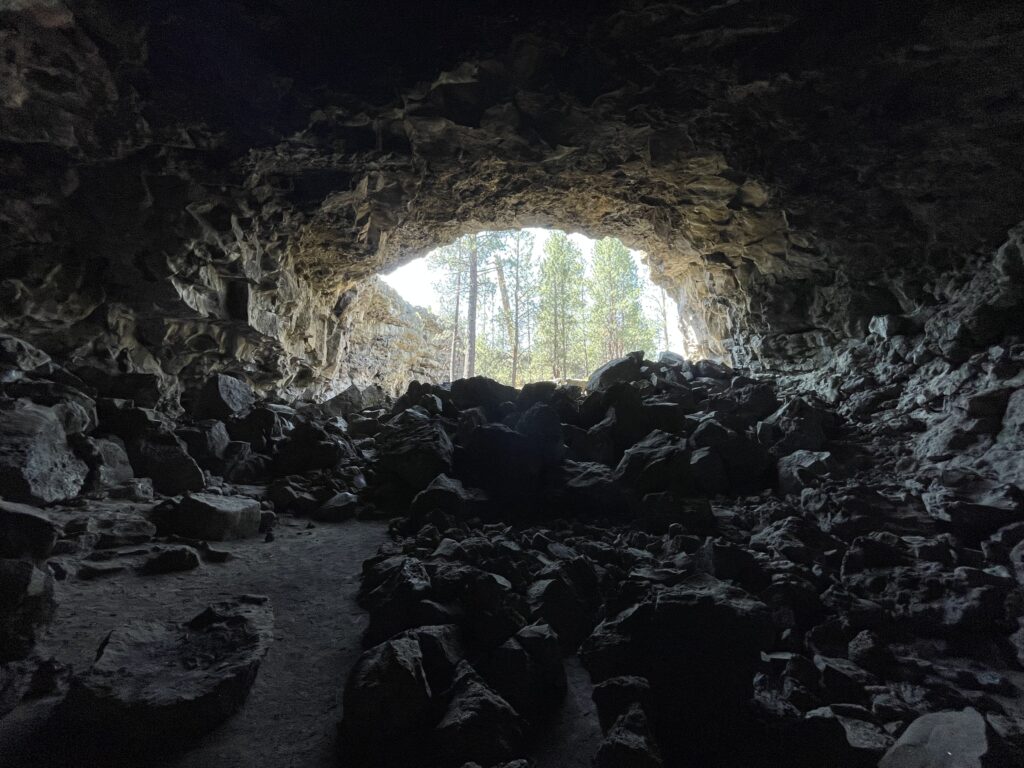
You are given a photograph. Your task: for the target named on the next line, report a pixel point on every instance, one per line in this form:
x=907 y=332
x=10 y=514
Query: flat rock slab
x=947 y=740
x=215 y=518
x=168 y=684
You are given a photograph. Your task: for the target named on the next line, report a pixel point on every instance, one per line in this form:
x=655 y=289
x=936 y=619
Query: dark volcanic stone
x=217 y=518
x=26 y=601
x=165 y=685
x=36 y=463
x=623 y=369
x=948 y=740
x=25 y=531
x=223 y=396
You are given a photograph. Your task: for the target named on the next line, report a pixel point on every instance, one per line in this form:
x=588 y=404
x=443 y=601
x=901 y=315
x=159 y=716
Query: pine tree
x=618 y=323
x=561 y=307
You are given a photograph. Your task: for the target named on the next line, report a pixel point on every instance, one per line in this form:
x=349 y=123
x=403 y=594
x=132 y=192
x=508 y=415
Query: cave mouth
x=536 y=304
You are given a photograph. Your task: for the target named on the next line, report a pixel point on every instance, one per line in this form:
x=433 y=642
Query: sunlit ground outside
x=535 y=304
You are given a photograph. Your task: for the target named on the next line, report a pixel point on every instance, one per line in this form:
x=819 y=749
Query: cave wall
x=196 y=187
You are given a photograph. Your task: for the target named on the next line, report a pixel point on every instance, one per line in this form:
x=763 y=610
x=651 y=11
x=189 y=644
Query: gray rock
x=108 y=462
x=170 y=560
x=160 y=685
x=26 y=601
x=623 y=369
x=36 y=463
x=801 y=469
x=947 y=740
x=26 y=531
x=223 y=396
x=212 y=517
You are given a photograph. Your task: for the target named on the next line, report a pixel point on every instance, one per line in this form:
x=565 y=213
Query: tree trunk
x=664 y=318
x=503 y=289
x=455 y=323
x=470 y=367
x=516 y=321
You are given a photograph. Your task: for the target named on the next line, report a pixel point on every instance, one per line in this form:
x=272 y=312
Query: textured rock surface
x=164 y=685
x=784 y=169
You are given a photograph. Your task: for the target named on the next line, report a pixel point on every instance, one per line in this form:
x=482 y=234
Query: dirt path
x=311 y=577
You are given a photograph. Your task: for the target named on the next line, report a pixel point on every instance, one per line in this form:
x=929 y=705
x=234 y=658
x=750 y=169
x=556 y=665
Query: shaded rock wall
x=389 y=342
x=194 y=187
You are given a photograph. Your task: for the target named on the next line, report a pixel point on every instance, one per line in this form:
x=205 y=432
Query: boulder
x=25 y=531
x=163 y=685
x=393 y=696
x=414 y=452
x=109 y=466
x=801 y=469
x=162 y=456
x=36 y=463
x=629 y=743
x=947 y=740
x=26 y=601
x=481 y=392
x=211 y=517
x=478 y=725
x=223 y=396
x=170 y=560
x=622 y=369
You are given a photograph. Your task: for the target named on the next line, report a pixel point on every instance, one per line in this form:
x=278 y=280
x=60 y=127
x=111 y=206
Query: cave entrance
x=539 y=304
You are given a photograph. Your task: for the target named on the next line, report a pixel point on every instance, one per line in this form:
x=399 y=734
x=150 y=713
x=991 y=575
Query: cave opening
x=538 y=304
x=257 y=507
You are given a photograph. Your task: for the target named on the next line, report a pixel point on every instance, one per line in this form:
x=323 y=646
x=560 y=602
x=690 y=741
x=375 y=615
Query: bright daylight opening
x=533 y=304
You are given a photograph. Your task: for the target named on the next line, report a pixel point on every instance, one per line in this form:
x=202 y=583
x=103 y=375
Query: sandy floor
x=289 y=721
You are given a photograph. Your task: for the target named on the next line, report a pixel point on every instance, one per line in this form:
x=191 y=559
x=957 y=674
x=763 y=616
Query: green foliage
x=543 y=318
x=617 y=322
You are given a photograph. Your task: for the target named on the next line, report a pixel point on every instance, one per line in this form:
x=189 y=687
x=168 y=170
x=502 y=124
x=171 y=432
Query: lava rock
x=36 y=463
x=156 y=684
x=947 y=740
x=622 y=369
x=212 y=517
x=170 y=560
x=223 y=396
x=109 y=466
x=478 y=725
x=26 y=601
x=26 y=531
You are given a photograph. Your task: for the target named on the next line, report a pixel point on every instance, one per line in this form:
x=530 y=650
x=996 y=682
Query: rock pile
x=740 y=564
x=743 y=582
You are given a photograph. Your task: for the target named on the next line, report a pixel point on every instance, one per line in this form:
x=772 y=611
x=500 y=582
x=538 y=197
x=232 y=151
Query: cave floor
x=310 y=575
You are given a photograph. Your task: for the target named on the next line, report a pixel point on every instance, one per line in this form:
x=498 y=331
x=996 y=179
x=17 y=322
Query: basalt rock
x=165 y=685
x=36 y=462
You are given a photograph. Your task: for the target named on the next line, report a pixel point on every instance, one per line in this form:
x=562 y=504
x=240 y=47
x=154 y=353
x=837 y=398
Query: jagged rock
x=477 y=725
x=623 y=369
x=800 y=469
x=393 y=696
x=207 y=442
x=108 y=462
x=629 y=743
x=414 y=452
x=340 y=506
x=26 y=531
x=26 y=601
x=222 y=397
x=941 y=739
x=217 y=518
x=112 y=530
x=162 y=456
x=36 y=463
x=170 y=560
x=616 y=695
x=168 y=684
x=481 y=392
